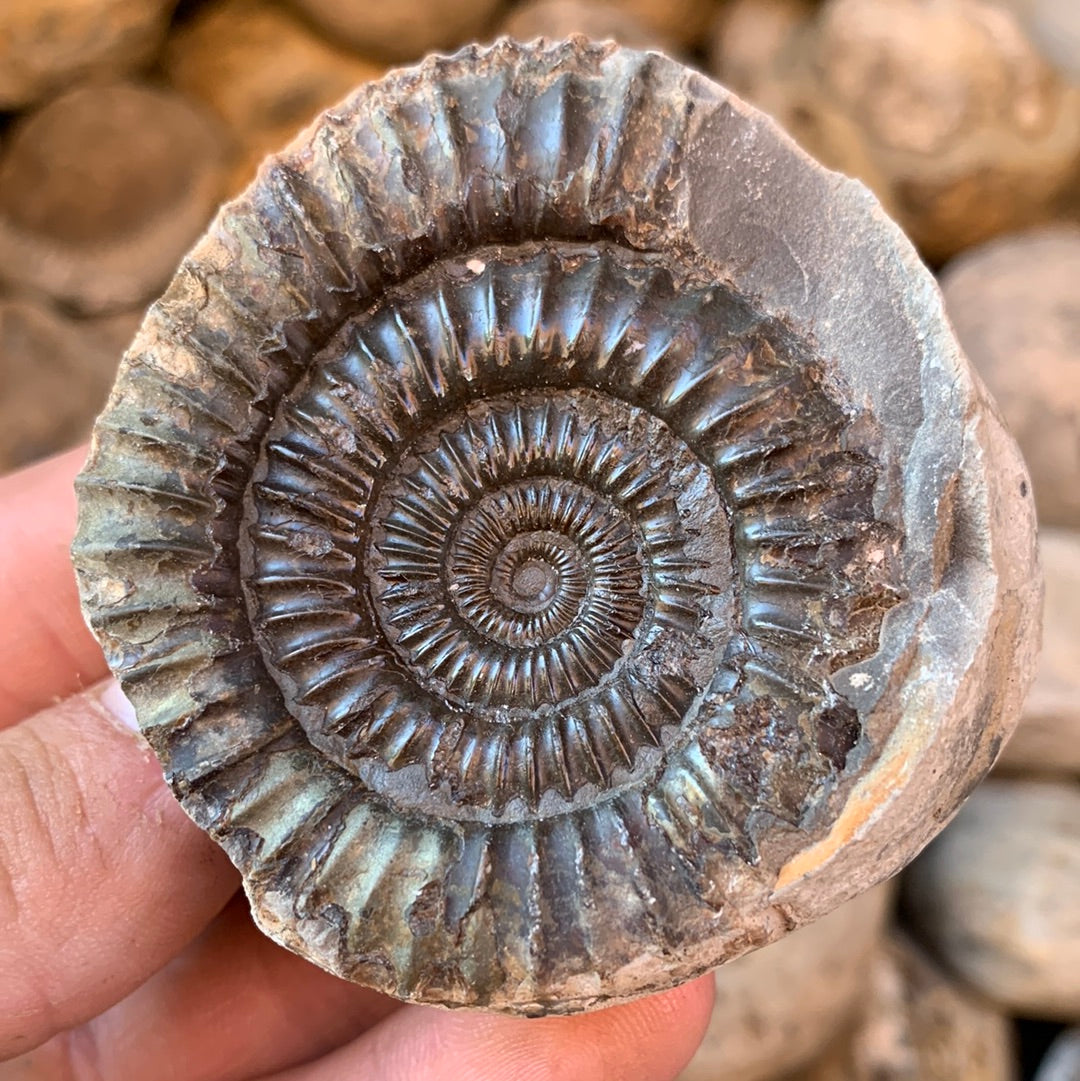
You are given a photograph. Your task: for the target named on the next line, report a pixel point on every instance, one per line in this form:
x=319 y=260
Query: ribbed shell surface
x=550 y=537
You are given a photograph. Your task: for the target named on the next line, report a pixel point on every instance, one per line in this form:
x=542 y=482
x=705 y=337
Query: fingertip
x=651 y=1037
x=116 y=705
x=685 y=1010
x=648 y=1039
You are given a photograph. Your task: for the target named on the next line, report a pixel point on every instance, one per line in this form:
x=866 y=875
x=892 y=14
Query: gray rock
x=777 y=1008
x=916 y=1024
x=402 y=29
x=1016 y=311
x=995 y=897
x=1047 y=739
x=262 y=72
x=751 y=40
x=946 y=109
x=1054 y=25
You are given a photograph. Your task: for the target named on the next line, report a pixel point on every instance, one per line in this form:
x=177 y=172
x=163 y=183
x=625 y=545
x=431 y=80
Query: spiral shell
x=550 y=537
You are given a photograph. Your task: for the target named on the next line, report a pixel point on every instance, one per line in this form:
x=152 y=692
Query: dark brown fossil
x=551 y=538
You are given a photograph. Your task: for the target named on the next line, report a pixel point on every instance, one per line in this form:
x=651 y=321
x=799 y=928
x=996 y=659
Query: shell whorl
x=502 y=584
x=492 y=533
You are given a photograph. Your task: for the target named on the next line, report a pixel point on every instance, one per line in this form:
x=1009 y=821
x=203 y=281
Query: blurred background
x=124 y=124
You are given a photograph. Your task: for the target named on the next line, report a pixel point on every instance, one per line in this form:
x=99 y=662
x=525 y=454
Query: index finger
x=103 y=878
x=649 y=1039
x=48 y=651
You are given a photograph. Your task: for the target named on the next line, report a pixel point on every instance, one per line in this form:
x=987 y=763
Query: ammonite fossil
x=550 y=537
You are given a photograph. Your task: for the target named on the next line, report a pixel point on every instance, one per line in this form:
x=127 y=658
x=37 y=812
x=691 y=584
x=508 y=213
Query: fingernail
x=116 y=704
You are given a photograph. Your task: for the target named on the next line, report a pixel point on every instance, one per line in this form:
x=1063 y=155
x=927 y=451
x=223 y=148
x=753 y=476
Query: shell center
x=525 y=579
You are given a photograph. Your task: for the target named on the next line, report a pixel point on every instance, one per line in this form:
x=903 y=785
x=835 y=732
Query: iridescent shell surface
x=551 y=538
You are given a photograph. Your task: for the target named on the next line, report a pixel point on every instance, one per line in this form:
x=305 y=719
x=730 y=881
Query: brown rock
x=1062 y=1061
x=1048 y=737
x=401 y=29
x=777 y=1008
x=1016 y=308
x=686 y=22
x=600 y=20
x=750 y=39
x=918 y=1025
x=102 y=190
x=995 y=896
x=55 y=373
x=262 y=72
x=47 y=44
x=947 y=110
x=1054 y=26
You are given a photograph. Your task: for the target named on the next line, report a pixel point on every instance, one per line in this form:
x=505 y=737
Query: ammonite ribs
x=551 y=538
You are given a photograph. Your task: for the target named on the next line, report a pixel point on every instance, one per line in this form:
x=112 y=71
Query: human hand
x=126 y=951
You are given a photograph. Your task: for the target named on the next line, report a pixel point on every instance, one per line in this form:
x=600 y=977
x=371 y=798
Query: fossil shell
x=550 y=537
